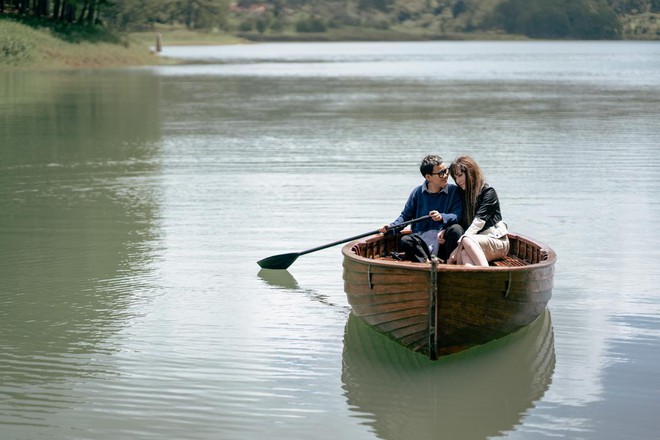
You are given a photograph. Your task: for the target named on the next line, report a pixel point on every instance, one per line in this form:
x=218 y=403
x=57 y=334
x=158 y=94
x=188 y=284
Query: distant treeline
x=69 y=11
x=123 y=14
x=582 y=19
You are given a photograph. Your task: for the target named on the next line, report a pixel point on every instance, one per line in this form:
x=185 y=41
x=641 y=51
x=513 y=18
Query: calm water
x=135 y=203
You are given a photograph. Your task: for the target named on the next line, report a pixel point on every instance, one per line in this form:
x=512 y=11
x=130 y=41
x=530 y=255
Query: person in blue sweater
x=437 y=236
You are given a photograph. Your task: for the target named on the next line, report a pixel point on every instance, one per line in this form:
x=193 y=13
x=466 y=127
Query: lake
x=136 y=202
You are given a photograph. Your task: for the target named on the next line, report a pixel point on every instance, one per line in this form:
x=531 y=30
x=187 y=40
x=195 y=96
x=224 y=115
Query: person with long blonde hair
x=485 y=237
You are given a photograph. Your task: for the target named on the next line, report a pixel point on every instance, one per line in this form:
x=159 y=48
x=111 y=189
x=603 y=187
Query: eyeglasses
x=441 y=173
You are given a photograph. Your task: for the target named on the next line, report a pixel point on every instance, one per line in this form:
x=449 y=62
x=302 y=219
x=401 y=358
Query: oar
x=283 y=261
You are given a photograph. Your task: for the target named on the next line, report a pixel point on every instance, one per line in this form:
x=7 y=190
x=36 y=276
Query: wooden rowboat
x=439 y=309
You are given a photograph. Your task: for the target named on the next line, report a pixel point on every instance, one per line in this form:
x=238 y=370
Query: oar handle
x=410 y=222
x=366 y=234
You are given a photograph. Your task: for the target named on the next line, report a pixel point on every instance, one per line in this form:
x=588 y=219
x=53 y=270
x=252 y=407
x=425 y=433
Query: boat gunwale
x=425 y=267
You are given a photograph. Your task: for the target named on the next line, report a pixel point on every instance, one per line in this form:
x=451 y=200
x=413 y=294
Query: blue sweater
x=420 y=202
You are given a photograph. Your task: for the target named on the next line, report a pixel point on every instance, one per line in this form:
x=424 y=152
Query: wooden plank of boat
x=448 y=308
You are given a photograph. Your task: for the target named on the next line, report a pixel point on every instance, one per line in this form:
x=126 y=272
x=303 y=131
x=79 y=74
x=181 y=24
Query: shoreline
x=25 y=47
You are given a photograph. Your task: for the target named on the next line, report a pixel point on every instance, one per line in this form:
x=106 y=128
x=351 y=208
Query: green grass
x=179 y=36
x=394 y=33
x=18 y=43
x=23 y=46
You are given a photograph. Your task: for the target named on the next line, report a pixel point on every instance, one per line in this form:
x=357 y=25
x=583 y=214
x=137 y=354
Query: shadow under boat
x=476 y=394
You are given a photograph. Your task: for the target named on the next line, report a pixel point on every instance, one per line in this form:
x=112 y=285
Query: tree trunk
x=56 y=9
x=69 y=12
x=81 y=17
x=63 y=7
x=91 y=11
x=41 y=8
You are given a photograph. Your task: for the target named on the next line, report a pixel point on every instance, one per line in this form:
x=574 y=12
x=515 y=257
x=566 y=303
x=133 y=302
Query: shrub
x=262 y=25
x=277 y=26
x=15 y=46
x=246 y=26
x=14 y=49
x=311 y=24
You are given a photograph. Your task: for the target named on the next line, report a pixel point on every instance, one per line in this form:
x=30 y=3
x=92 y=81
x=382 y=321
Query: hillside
x=444 y=19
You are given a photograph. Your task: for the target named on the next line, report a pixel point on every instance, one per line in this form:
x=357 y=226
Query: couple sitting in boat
x=465 y=224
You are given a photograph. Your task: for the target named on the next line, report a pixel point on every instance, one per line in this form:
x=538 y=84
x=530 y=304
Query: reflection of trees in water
x=77 y=119
x=472 y=395
x=77 y=222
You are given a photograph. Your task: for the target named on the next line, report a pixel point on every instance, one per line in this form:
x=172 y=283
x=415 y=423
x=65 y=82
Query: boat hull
x=443 y=309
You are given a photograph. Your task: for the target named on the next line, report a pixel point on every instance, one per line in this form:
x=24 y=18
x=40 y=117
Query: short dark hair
x=428 y=163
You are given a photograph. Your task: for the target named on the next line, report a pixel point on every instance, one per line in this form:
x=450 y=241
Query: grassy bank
x=28 y=46
x=370 y=34
x=178 y=36
x=23 y=47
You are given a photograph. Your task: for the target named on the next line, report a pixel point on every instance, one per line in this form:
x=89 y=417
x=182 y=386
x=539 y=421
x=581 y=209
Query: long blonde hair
x=474 y=182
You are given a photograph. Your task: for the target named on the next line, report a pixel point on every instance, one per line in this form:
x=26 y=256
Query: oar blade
x=282 y=261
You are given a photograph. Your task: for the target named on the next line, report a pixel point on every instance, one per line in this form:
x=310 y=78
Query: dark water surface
x=134 y=205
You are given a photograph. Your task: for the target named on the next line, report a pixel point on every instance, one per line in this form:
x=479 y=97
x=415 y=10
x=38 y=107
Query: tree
x=543 y=21
x=202 y=14
x=655 y=5
x=379 y=5
x=593 y=19
x=138 y=15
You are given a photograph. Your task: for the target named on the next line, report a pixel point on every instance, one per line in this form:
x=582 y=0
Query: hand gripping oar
x=283 y=261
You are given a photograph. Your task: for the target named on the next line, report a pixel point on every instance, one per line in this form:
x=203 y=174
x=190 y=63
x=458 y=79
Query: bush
x=15 y=46
x=246 y=26
x=310 y=25
x=262 y=25
x=277 y=26
x=14 y=50
x=382 y=25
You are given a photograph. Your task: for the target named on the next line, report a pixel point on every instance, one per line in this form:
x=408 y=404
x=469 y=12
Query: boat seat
x=509 y=261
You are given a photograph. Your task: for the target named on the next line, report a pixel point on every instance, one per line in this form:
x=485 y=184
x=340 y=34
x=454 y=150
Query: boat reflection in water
x=475 y=394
